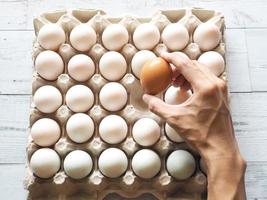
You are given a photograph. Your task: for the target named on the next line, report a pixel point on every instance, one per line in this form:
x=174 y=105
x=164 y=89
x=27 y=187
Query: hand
x=205 y=123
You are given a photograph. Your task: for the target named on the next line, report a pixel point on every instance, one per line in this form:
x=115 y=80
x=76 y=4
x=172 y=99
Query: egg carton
x=97 y=186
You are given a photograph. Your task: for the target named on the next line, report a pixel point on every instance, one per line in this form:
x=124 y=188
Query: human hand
x=203 y=120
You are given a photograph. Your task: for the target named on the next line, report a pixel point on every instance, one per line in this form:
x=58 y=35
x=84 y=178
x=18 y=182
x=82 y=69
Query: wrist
x=227 y=165
x=226 y=174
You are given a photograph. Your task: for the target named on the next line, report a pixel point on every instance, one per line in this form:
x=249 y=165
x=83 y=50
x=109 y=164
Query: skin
x=205 y=123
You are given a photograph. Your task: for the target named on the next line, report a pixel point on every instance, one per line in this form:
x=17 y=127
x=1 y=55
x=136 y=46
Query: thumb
x=158 y=106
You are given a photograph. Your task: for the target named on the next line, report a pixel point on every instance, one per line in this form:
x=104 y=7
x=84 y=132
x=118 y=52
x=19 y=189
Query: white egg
x=146 y=131
x=78 y=164
x=49 y=65
x=146 y=163
x=115 y=36
x=146 y=36
x=214 y=61
x=180 y=164
x=112 y=66
x=139 y=59
x=207 y=36
x=45 y=132
x=174 y=95
x=80 y=127
x=112 y=162
x=47 y=99
x=203 y=166
x=81 y=67
x=175 y=37
x=83 y=37
x=113 y=129
x=172 y=134
x=51 y=36
x=113 y=96
x=79 y=98
x=45 y=163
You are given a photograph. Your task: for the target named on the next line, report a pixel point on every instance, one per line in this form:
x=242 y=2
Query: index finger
x=192 y=73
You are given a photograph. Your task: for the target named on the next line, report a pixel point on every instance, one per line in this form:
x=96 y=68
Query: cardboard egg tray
x=97 y=186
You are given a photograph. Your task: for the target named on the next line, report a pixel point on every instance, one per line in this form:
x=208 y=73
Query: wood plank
x=256 y=176
x=237 y=61
x=11 y=181
x=256 y=44
x=12 y=176
x=238 y=72
x=238 y=13
x=13 y=14
x=249 y=111
x=13 y=123
x=15 y=62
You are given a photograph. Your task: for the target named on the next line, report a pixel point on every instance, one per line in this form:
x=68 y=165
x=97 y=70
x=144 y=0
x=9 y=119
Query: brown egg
x=155 y=76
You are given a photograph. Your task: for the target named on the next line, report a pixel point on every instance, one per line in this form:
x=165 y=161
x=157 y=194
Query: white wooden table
x=246 y=36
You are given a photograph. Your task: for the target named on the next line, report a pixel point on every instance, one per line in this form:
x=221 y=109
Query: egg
x=51 y=36
x=139 y=59
x=175 y=36
x=47 y=99
x=45 y=132
x=115 y=36
x=207 y=36
x=83 y=37
x=49 y=65
x=146 y=163
x=113 y=129
x=172 y=134
x=113 y=96
x=45 y=163
x=80 y=127
x=203 y=166
x=112 y=162
x=79 y=98
x=81 y=67
x=112 y=66
x=78 y=164
x=174 y=95
x=180 y=164
x=155 y=76
x=146 y=36
x=146 y=131
x=214 y=61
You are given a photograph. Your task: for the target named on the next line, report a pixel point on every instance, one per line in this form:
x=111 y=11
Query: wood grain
x=237 y=61
x=13 y=124
x=257 y=43
x=247 y=71
x=249 y=118
x=15 y=62
x=238 y=13
x=11 y=182
x=13 y=15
